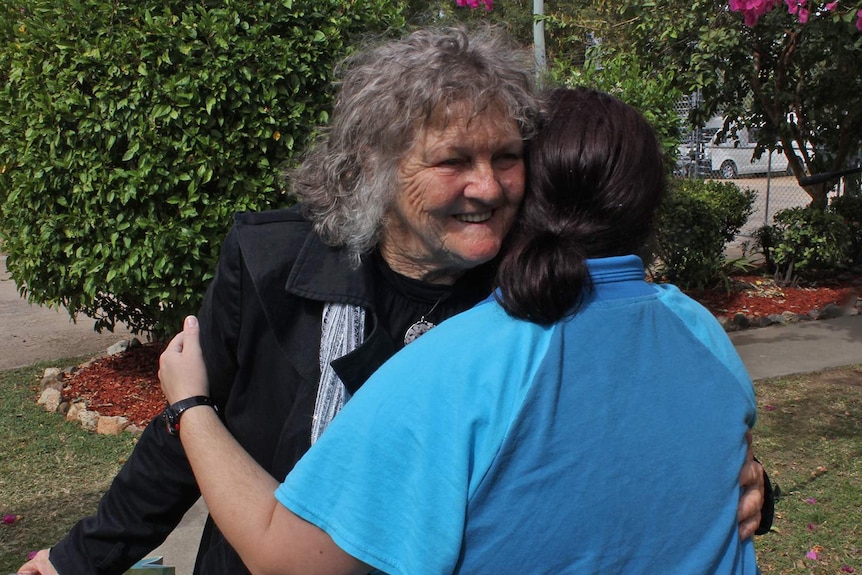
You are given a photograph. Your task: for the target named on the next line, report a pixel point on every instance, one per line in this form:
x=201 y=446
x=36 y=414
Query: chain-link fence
x=703 y=155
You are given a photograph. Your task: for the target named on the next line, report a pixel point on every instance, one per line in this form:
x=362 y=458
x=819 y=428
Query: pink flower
x=752 y=10
x=811 y=555
x=847 y=569
x=9 y=519
x=769 y=407
x=810 y=500
x=812 y=526
x=831 y=6
x=859 y=20
x=796 y=7
x=30 y=555
x=473 y=4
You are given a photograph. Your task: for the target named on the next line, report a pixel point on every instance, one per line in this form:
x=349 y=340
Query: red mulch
x=758 y=296
x=127 y=384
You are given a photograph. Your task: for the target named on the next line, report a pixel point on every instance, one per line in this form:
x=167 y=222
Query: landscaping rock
x=123 y=345
x=832 y=311
x=741 y=321
x=119 y=347
x=89 y=420
x=75 y=407
x=51 y=399
x=761 y=321
x=111 y=425
x=828 y=312
x=52 y=373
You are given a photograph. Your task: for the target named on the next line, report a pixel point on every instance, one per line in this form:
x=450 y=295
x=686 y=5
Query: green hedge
x=849 y=207
x=807 y=242
x=131 y=131
x=696 y=221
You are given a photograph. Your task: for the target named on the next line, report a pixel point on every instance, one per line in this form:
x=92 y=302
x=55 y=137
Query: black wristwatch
x=172 y=413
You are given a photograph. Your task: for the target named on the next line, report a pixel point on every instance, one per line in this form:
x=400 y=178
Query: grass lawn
x=809 y=434
x=52 y=472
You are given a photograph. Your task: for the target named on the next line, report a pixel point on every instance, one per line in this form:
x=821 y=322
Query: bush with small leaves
x=849 y=207
x=808 y=241
x=696 y=220
x=132 y=130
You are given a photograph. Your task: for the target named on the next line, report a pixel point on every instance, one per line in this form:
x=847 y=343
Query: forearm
x=237 y=491
x=240 y=496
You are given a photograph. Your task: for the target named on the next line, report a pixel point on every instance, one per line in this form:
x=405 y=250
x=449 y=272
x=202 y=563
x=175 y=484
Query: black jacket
x=260 y=333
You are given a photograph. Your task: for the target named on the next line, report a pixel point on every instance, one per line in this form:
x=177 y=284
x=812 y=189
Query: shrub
x=849 y=208
x=695 y=222
x=132 y=130
x=807 y=241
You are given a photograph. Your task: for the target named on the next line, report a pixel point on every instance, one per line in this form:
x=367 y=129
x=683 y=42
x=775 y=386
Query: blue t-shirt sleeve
x=391 y=477
x=703 y=326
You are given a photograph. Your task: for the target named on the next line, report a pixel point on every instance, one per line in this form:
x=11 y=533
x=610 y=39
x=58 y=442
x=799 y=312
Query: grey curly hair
x=387 y=94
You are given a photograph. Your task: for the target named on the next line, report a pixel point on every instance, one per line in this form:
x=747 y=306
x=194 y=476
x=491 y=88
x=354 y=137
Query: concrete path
x=29 y=333
x=800 y=348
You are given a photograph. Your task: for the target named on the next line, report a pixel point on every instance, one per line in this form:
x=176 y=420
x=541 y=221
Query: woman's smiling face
x=459 y=190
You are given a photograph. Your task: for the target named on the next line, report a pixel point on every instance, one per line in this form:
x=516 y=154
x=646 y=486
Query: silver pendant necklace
x=422 y=326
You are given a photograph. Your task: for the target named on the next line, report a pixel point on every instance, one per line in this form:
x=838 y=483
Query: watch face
x=170 y=417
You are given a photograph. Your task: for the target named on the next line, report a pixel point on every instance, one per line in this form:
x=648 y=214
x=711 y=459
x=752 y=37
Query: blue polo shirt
x=609 y=442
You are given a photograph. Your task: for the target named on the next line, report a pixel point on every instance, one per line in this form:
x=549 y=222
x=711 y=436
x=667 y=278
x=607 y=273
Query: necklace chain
x=422 y=326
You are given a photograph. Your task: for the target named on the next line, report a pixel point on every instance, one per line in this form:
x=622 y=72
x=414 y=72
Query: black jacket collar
x=289 y=265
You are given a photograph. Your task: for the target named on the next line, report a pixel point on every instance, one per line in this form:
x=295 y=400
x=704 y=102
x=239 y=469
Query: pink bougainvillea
x=752 y=10
x=473 y=4
x=799 y=9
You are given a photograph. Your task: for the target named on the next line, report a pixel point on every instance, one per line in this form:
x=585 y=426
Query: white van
x=729 y=157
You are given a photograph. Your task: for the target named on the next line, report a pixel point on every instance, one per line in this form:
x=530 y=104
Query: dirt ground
x=29 y=333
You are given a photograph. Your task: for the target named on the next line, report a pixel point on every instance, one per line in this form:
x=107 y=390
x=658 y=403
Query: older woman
x=404 y=204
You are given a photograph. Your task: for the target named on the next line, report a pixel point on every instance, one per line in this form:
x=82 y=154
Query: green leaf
x=131 y=151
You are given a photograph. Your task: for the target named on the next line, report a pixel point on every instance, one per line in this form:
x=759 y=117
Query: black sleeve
x=156 y=486
x=767 y=512
x=145 y=502
x=219 y=318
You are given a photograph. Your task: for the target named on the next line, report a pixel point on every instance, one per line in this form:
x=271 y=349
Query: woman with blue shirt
x=493 y=443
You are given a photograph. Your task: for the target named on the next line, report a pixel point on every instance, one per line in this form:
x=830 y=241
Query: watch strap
x=173 y=412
